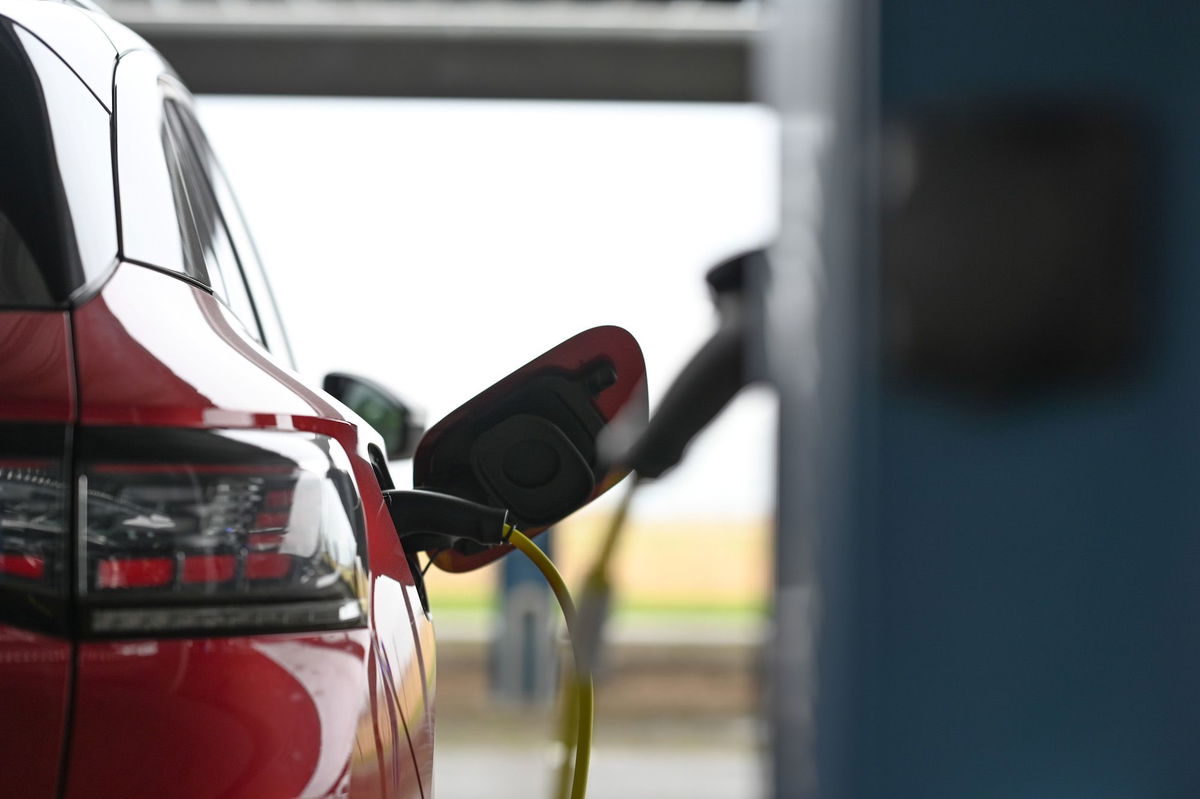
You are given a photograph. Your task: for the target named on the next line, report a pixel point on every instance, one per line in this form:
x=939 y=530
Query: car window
x=191 y=252
x=154 y=211
x=177 y=212
x=252 y=268
x=261 y=297
x=22 y=281
x=207 y=239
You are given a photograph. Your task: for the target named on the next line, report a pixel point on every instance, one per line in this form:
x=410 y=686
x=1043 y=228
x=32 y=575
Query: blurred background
x=443 y=243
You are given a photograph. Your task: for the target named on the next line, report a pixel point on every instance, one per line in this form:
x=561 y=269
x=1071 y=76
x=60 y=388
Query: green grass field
x=665 y=572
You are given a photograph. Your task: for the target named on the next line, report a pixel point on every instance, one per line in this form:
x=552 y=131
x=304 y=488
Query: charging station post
x=523 y=655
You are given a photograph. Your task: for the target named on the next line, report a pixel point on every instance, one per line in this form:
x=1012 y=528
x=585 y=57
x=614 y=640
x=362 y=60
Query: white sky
x=437 y=245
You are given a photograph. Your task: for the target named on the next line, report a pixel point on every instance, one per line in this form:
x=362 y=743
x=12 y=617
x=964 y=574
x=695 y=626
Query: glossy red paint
x=396 y=606
x=35 y=383
x=254 y=716
x=34 y=684
x=613 y=343
x=257 y=716
x=154 y=350
x=422 y=738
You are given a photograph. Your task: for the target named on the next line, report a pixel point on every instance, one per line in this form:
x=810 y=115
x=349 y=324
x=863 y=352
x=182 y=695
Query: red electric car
x=202 y=593
x=206 y=589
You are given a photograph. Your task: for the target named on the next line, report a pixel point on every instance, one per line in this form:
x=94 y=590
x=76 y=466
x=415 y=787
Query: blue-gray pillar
x=524 y=652
x=1006 y=602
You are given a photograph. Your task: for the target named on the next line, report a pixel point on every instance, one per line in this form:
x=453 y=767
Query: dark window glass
x=57 y=217
x=21 y=281
x=191 y=249
x=207 y=240
x=262 y=299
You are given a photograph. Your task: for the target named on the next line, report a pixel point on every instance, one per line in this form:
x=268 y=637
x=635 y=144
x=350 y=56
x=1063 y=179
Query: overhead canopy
x=683 y=51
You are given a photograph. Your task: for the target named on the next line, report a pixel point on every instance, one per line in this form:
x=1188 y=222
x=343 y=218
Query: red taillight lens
x=209 y=568
x=34 y=526
x=32 y=522
x=267 y=566
x=204 y=530
x=134 y=572
x=25 y=566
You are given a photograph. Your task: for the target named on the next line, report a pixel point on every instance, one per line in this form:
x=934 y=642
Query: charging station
x=982 y=325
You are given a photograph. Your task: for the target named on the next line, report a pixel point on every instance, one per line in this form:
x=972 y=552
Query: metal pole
x=811 y=71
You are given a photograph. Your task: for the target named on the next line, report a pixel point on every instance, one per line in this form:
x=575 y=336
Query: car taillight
x=32 y=522
x=34 y=526
x=192 y=531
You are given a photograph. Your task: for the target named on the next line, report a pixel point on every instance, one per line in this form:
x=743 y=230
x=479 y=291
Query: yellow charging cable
x=587 y=639
x=582 y=710
x=585 y=633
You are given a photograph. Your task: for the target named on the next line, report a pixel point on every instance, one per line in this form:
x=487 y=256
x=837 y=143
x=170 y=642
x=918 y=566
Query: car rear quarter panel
x=291 y=715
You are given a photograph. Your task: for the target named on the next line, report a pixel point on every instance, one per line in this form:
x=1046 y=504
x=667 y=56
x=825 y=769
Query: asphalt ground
x=673 y=720
x=618 y=772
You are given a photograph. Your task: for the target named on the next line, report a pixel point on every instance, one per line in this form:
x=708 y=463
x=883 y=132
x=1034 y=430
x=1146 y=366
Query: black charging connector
x=428 y=520
x=714 y=375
